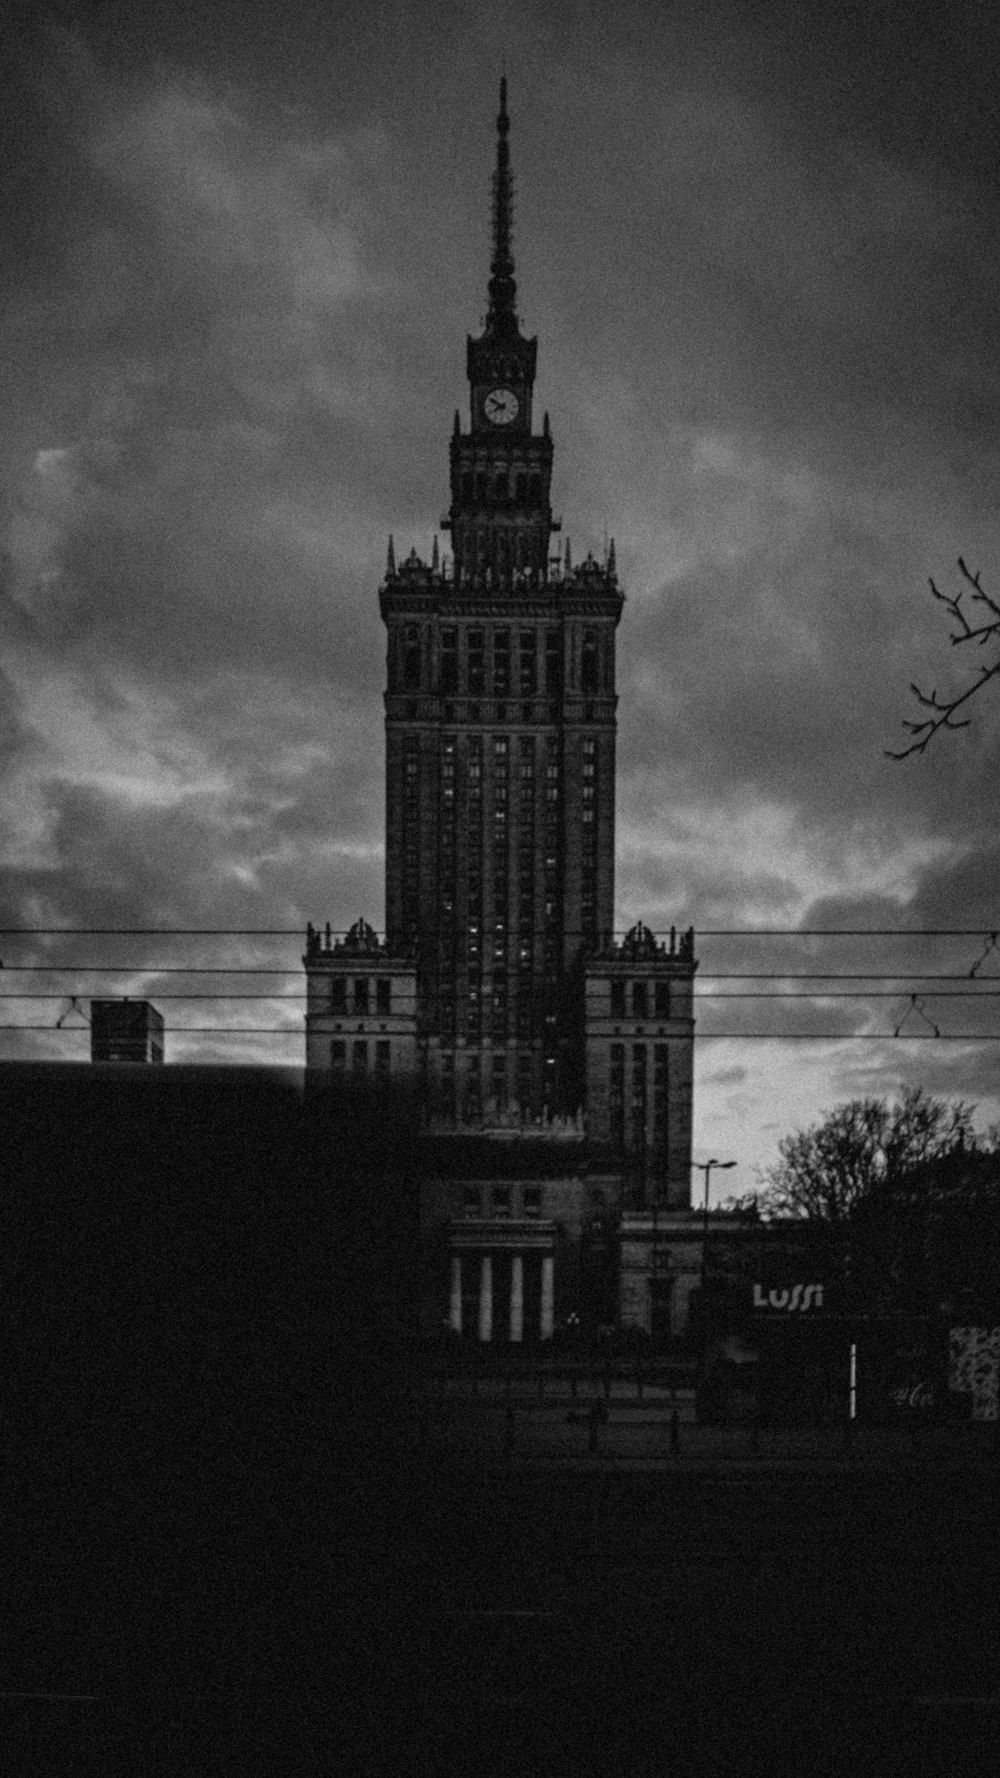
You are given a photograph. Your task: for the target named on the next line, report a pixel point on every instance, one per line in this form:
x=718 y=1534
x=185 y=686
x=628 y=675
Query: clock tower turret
x=500 y=516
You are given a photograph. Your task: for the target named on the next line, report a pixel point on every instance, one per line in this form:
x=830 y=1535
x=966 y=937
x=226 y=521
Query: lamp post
x=706 y=1168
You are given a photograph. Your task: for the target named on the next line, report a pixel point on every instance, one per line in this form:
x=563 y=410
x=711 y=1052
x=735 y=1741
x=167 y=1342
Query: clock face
x=501 y=406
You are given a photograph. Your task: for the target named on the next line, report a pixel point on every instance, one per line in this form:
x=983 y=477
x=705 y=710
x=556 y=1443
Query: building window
x=449 y=660
x=382 y=1056
x=524 y=1073
x=338 y=1053
x=471 y=1201
x=639 y=1092
x=411 y=658
x=616 y=1096
x=618 y=1000
x=361 y=994
x=411 y=833
x=532 y=1201
x=473 y=1089
x=498 y=1083
x=663 y=1000
x=338 y=994
x=501 y=663
x=588 y=665
x=553 y=663
x=527 y=675
x=477 y=663
x=501 y=1200
x=383 y=992
x=359 y=1057
x=640 y=1008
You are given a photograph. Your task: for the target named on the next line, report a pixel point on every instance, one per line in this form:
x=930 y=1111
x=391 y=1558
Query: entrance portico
x=502 y=1281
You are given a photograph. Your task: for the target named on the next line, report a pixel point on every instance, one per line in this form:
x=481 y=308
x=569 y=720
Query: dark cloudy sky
x=242 y=245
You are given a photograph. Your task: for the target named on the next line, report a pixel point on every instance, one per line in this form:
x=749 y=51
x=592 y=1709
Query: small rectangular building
x=125 y=1031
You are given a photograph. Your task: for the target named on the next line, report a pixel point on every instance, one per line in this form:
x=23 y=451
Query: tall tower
x=499 y=986
x=500 y=748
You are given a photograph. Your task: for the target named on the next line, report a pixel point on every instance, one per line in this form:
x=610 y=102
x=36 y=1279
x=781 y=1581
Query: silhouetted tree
x=827 y=1171
x=942 y=710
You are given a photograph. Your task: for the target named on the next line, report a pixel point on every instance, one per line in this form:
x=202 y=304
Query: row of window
x=411 y=835
x=630 y=1120
x=499 y=1201
x=356 y=996
x=643 y=1000
x=523 y=487
x=506 y=663
x=501 y=548
x=359 y=1055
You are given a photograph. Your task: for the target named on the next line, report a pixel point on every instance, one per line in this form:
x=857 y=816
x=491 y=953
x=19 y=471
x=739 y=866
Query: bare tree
x=942 y=710
x=828 y=1171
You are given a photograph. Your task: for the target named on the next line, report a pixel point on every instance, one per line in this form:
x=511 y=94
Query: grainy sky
x=242 y=245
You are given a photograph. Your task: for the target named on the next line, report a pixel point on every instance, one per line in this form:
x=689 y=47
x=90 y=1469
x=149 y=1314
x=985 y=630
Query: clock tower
x=500 y=517
x=554 y=1064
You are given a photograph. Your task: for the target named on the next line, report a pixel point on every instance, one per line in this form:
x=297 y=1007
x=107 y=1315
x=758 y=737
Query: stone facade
x=360 y=1008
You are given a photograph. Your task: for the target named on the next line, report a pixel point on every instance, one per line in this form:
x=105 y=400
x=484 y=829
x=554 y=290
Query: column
x=486 y=1298
x=517 y=1297
x=548 y=1296
x=455 y=1307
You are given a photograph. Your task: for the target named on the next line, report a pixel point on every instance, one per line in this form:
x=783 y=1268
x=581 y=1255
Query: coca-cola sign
x=914 y=1397
x=792 y=1299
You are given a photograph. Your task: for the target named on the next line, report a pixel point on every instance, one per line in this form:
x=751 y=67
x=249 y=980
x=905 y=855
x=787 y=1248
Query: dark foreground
x=224 y=1553
x=381 y=1615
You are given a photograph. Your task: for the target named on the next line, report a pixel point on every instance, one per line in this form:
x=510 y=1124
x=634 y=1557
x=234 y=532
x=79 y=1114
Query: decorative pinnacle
x=390 y=566
x=502 y=287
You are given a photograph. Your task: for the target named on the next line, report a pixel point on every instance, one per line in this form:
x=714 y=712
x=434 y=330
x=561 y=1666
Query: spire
x=501 y=316
x=390 y=566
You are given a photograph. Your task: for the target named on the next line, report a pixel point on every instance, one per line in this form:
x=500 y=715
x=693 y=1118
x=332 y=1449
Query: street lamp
x=706 y=1168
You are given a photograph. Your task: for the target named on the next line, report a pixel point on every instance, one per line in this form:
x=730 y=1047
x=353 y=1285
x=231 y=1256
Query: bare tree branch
x=943 y=709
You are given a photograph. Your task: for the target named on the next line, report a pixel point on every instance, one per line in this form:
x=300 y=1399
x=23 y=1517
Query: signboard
x=791 y=1299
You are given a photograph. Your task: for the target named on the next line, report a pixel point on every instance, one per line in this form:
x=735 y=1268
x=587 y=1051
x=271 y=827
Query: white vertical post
x=486 y=1298
x=455 y=1305
x=548 y=1296
x=517 y=1297
x=852 y=1393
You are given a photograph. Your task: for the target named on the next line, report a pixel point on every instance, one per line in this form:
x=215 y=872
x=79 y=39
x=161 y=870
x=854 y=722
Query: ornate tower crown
x=501 y=355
